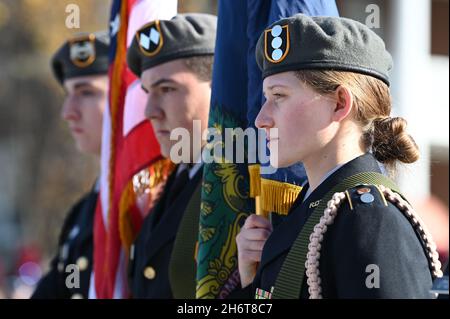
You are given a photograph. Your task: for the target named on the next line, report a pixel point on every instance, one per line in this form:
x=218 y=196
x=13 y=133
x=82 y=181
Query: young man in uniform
x=174 y=60
x=81 y=67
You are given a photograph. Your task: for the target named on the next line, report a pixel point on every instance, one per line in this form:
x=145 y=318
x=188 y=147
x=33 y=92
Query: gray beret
x=83 y=54
x=322 y=43
x=160 y=41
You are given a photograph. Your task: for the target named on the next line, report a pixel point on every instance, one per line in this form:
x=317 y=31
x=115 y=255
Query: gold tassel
x=255 y=180
x=255 y=188
x=278 y=196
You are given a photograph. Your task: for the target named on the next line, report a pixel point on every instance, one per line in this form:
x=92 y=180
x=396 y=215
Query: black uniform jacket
x=148 y=268
x=369 y=238
x=75 y=252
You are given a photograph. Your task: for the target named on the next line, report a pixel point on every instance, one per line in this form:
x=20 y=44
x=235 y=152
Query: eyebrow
x=162 y=81
x=275 y=85
x=156 y=83
x=270 y=88
x=82 y=85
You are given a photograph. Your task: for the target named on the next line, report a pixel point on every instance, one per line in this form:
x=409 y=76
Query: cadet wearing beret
x=80 y=65
x=349 y=234
x=174 y=60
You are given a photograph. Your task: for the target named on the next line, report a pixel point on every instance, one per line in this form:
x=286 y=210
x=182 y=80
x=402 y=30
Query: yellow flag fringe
x=278 y=196
x=255 y=180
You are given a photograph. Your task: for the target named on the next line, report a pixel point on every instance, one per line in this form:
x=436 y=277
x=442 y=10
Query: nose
x=264 y=119
x=70 y=111
x=152 y=109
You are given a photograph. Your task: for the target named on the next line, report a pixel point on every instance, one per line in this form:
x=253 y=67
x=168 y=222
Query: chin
x=278 y=164
x=86 y=146
x=85 y=149
x=281 y=162
x=165 y=151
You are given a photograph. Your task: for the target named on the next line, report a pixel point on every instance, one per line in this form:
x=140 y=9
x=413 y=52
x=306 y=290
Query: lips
x=270 y=140
x=77 y=130
x=162 y=132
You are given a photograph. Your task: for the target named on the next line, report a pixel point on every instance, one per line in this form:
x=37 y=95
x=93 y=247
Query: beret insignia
x=150 y=38
x=82 y=50
x=276 y=41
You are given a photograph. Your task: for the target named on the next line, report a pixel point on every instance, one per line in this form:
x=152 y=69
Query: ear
x=344 y=103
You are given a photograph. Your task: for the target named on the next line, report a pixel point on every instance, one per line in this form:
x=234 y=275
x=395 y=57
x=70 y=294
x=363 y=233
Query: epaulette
x=364 y=194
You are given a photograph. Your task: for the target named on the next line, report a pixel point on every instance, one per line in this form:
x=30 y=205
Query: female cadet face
x=300 y=114
x=83 y=110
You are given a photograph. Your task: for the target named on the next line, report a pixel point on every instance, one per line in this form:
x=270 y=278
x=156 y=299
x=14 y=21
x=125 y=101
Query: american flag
x=129 y=147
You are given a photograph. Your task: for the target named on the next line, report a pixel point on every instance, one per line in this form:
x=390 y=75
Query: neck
x=336 y=153
x=196 y=154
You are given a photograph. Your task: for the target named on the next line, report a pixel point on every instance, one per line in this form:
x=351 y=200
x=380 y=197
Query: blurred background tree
x=42 y=172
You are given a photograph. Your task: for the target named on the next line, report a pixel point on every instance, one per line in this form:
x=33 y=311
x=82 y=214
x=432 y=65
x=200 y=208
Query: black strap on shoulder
x=288 y=284
x=182 y=268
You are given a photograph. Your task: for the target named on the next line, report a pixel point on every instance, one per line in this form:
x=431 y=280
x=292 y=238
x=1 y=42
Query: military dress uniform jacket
x=361 y=236
x=150 y=258
x=75 y=248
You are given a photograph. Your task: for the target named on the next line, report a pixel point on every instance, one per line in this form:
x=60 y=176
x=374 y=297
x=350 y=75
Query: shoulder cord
x=329 y=214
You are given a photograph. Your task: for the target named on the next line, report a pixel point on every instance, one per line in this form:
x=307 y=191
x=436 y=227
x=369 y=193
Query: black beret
x=301 y=42
x=160 y=41
x=83 y=54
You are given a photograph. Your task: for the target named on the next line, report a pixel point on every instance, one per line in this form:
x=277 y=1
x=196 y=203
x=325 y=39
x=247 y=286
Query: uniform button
x=82 y=263
x=367 y=198
x=77 y=296
x=61 y=266
x=149 y=273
